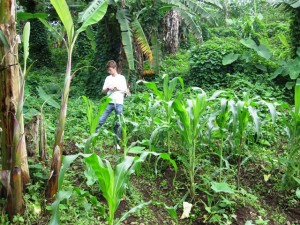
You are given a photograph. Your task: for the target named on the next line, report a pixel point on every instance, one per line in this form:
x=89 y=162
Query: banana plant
x=15 y=172
x=166 y=97
x=94 y=13
x=191 y=123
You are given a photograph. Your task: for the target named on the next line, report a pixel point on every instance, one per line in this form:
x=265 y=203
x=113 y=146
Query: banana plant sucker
x=93 y=14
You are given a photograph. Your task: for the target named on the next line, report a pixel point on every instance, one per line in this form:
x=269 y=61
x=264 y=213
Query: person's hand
x=112 y=88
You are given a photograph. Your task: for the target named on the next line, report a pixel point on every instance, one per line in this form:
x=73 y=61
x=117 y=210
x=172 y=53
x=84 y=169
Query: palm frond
x=124 y=21
x=214 y=3
x=195 y=7
x=141 y=39
x=188 y=19
x=191 y=6
x=287 y=4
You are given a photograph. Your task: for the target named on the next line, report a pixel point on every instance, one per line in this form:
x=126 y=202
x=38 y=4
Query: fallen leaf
x=186 y=210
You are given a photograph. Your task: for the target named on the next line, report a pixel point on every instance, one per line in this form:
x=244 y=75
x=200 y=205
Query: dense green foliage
x=206 y=62
x=107 y=47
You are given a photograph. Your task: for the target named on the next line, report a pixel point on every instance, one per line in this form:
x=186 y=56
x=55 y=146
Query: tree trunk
x=54 y=173
x=32 y=136
x=9 y=96
x=171 y=32
x=36 y=140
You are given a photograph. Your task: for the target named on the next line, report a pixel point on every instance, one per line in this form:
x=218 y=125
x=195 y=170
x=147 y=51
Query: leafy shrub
x=46 y=78
x=208 y=71
x=221 y=32
x=60 y=56
x=206 y=62
x=255 y=84
x=176 y=65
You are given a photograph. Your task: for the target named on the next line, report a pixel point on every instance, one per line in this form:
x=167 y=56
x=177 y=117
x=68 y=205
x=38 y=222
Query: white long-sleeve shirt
x=119 y=82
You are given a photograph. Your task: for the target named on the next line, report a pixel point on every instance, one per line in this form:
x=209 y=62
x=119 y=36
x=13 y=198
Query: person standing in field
x=115 y=87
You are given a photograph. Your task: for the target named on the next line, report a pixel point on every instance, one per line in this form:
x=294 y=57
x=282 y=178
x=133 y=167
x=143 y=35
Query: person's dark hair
x=111 y=64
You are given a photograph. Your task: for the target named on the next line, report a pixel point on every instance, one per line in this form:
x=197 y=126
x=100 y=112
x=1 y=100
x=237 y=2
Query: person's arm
x=105 y=88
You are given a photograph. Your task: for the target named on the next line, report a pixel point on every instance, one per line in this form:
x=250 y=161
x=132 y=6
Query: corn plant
x=292 y=174
x=125 y=124
x=222 y=119
x=94 y=13
x=166 y=97
x=244 y=116
x=113 y=182
x=93 y=118
x=242 y=112
x=191 y=122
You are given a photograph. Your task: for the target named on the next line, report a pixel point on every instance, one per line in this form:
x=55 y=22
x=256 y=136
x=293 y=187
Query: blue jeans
x=118 y=108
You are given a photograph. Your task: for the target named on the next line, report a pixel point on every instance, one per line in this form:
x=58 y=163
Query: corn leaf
x=184 y=120
x=93 y=118
x=93 y=14
x=272 y=110
x=64 y=14
x=60 y=196
x=124 y=21
x=153 y=87
x=170 y=86
x=67 y=160
x=141 y=39
x=255 y=118
x=133 y=210
x=297 y=97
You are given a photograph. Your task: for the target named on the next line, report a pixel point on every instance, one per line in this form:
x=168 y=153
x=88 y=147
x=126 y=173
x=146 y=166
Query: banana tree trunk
x=12 y=143
x=171 y=32
x=59 y=134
